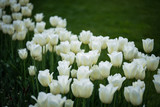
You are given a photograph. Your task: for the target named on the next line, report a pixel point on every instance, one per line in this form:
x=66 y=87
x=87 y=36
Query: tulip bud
x=54 y=20
x=116 y=58
x=73 y=73
x=36 y=52
x=63 y=47
x=95 y=74
x=152 y=62
x=82 y=88
x=148 y=45
x=116 y=80
x=23 y=53
x=106 y=93
x=64 y=68
x=40 y=26
x=121 y=43
x=54 y=87
x=26 y=11
x=64 y=83
x=85 y=36
x=105 y=68
x=112 y=45
x=53 y=39
x=39 y=17
x=75 y=46
x=15 y=7
x=6 y=19
x=45 y=78
x=83 y=72
x=32 y=70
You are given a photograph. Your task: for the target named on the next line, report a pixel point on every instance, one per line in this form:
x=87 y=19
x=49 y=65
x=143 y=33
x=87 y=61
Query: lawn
x=132 y=19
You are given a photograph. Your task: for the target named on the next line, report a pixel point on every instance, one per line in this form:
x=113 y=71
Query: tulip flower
x=36 y=52
x=32 y=70
x=75 y=46
x=130 y=70
x=130 y=52
x=112 y=45
x=134 y=95
x=54 y=87
x=23 y=53
x=69 y=103
x=156 y=82
x=54 y=20
x=63 y=47
x=63 y=68
x=95 y=74
x=64 y=83
x=140 y=61
x=104 y=42
x=40 y=26
x=73 y=38
x=0 y=13
x=70 y=56
x=23 y=2
x=64 y=35
x=140 y=72
x=82 y=88
x=83 y=72
x=18 y=25
x=116 y=58
x=148 y=45
x=152 y=62
x=15 y=7
x=45 y=78
x=26 y=11
x=116 y=80
x=30 y=6
x=73 y=73
x=139 y=83
x=6 y=19
x=53 y=39
x=17 y=16
x=106 y=93
x=121 y=43
x=39 y=17
x=21 y=35
x=85 y=36
x=105 y=68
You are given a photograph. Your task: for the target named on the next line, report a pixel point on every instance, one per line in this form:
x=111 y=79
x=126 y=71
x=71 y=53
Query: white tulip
x=73 y=73
x=64 y=68
x=23 y=2
x=54 y=20
x=139 y=83
x=62 y=23
x=53 y=39
x=83 y=72
x=54 y=87
x=156 y=82
x=30 y=6
x=21 y=35
x=16 y=7
x=112 y=45
x=36 y=52
x=116 y=58
x=106 y=93
x=31 y=26
x=64 y=83
x=140 y=72
x=45 y=78
x=105 y=68
x=122 y=42
x=27 y=22
x=73 y=38
x=140 y=61
x=64 y=35
x=6 y=19
x=76 y=46
x=158 y=72
x=152 y=62
x=18 y=25
x=69 y=103
x=82 y=88
x=10 y=29
x=23 y=53
x=130 y=70
x=70 y=56
x=63 y=47
x=116 y=80
x=26 y=11
x=32 y=70
x=17 y=16
x=40 y=39
x=85 y=36
x=40 y=26
x=95 y=74
x=148 y=45
x=39 y=17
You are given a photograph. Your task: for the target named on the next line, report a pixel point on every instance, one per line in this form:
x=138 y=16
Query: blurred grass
x=133 y=19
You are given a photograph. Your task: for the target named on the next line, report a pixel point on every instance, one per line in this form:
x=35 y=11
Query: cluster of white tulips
x=78 y=67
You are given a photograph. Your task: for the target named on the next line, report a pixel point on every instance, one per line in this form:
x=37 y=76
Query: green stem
x=115 y=98
x=24 y=71
x=33 y=85
x=52 y=61
x=36 y=78
x=84 y=102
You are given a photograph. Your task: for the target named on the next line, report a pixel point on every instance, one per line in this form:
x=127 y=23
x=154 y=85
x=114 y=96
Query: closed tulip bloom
x=54 y=20
x=112 y=45
x=73 y=73
x=64 y=68
x=69 y=103
x=54 y=87
x=40 y=26
x=96 y=45
x=104 y=42
x=130 y=70
x=140 y=72
x=76 y=46
x=83 y=72
x=85 y=36
x=16 y=7
x=105 y=68
x=27 y=22
x=152 y=62
x=82 y=88
x=106 y=93
x=156 y=82
x=23 y=53
x=148 y=45
x=17 y=16
x=36 y=52
x=95 y=74
x=10 y=29
x=73 y=37
x=6 y=19
x=53 y=39
x=21 y=35
x=129 y=52
x=31 y=26
x=64 y=35
x=64 y=83
x=116 y=58
x=116 y=80
x=40 y=39
x=32 y=70
x=70 y=56
x=39 y=17
x=45 y=78
x=30 y=6
x=140 y=61
x=62 y=23
x=139 y=83
x=63 y=47
x=122 y=42
x=94 y=55
x=134 y=95
x=26 y=11
x=18 y=25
